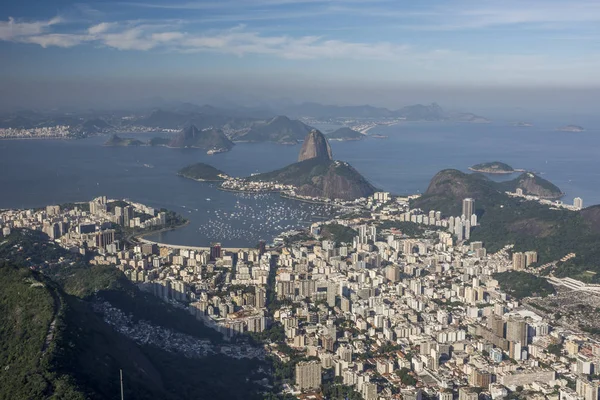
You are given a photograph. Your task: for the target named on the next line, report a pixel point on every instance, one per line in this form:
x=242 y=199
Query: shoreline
x=496 y=172
x=141 y=235
x=248 y=191
x=41 y=138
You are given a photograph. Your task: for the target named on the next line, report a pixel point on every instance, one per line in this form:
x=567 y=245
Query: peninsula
x=116 y=141
x=344 y=134
x=202 y=172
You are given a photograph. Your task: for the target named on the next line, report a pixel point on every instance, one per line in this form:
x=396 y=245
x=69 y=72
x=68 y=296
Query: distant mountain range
x=280 y=129
x=238 y=122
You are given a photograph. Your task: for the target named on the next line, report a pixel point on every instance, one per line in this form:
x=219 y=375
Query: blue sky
x=464 y=43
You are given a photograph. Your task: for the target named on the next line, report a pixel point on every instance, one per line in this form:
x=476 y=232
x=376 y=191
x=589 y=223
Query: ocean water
x=39 y=172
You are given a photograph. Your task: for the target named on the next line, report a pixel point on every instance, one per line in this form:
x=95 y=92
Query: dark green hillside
x=202 y=172
x=28 y=305
x=202 y=139
x=85 y=354
x=495 y=167
x=521 y=284
x=159 y=141
x=321 y=178
x=338 y=233
x=526 y=224
x=345 y=134
x=280 y=129
x=117 y=141
x=533 y=185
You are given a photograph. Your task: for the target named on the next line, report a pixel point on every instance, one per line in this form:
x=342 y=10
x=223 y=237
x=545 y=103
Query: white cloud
x=13 y=29
x=101 y=28
x=55 y=39
x=170 y=36
x=167 y=36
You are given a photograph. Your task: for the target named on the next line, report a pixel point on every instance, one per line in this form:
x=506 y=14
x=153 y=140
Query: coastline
x=200 y=180
x=172 y=228
x=40 y=138
x=496 y=172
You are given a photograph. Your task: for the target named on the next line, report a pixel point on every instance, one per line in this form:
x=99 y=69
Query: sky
x=509 y=53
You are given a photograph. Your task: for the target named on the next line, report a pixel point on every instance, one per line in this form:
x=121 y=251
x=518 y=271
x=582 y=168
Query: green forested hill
x=83 y=356
x=29 y=303
x=552 y=232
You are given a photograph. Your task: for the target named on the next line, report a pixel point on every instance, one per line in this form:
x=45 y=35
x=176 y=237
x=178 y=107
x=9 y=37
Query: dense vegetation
x=201 y=172
x=493 y=167
x=85 y=354
x=532 y=184
x=27 y=309
x=116 y=141
x=321 y=178
x=158 y=141
x=522 y=284
x=338 y=233
x=410 y=229
x=553 y=233
x=280 y=129
x=202 y=139
x=345 y=134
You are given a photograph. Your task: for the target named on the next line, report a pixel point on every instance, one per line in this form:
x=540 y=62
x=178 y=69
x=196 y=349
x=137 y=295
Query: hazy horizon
x=464 y=55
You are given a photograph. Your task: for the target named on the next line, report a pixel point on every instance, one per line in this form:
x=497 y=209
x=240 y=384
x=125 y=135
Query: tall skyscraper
x=578 y=203
x=128 y=215
x=260 y=298
x=519 y=261
x=468 y=208
x=215 y=251
x=308 y=375
x=517 y=331
x=392 y=273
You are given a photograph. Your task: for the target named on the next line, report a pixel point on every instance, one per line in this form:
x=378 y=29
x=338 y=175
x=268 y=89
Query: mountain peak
x=315 y=146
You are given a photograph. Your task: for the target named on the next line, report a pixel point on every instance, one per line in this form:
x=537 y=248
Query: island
x=159 y=141
x=202 y=172
x=495 y=167
x=116 y=141
x=344 y=134
x=571 y=128
x=213 y=140
x=521 y=124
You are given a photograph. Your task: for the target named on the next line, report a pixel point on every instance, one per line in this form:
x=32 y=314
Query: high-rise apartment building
x=215 y=251
x=519 y=261
x=588 y=390
x=308 y=375
x=517 y=331
x=468 y=208
x=578 y=203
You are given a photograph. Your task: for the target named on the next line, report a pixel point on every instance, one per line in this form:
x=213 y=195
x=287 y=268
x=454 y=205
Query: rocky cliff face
x=315 y=146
